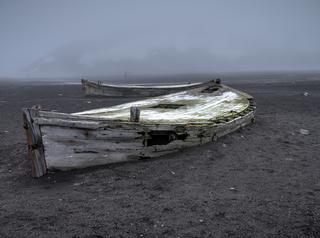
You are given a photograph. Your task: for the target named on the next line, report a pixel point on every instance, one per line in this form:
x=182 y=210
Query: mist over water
x=76 y=38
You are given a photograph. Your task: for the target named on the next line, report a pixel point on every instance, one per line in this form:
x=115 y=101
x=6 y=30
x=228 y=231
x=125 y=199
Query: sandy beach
x=262 y=181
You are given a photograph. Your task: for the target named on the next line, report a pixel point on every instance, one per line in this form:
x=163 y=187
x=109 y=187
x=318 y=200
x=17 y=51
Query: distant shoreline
x=234 y=77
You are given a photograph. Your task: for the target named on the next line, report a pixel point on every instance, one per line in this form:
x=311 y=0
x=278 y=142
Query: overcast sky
x=92 y=37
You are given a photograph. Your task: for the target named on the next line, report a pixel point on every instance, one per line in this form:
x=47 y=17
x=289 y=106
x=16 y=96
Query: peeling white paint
x=197 y=108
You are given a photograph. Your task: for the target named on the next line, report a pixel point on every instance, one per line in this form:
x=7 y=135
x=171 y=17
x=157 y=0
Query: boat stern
x=34 y=142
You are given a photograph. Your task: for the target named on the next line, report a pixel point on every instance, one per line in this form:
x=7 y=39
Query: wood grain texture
x=71 y=148
x=34 y=141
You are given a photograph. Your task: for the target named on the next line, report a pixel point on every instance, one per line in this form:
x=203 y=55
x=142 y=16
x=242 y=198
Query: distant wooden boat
x=136 y=130
x=129 y=90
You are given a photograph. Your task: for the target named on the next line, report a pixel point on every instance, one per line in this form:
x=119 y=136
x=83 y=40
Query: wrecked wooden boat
x=132 y=131
x=129 y=90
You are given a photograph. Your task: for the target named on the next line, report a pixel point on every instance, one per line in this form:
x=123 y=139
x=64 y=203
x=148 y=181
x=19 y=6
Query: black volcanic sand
x=263 y=181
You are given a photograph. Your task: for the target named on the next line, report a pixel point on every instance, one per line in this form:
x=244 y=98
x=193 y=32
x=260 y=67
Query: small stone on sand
x=77 y=184
x=304 y=132
x=172 y=172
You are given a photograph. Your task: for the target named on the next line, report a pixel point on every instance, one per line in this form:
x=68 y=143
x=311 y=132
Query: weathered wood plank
x=35 y=145
x=134 y=114
x=99 y=89
x=75 y=133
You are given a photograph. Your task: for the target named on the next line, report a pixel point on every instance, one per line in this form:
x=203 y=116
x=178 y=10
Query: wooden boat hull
x=59 y=141
x=108 y=90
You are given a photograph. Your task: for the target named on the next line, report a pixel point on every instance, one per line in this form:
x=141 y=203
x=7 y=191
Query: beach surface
x=262 y=181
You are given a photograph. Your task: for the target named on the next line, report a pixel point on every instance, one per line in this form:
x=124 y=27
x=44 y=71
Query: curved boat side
x=110 y=90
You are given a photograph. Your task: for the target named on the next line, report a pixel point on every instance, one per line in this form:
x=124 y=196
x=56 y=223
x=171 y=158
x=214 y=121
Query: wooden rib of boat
x=132 y=131
x=128 y=90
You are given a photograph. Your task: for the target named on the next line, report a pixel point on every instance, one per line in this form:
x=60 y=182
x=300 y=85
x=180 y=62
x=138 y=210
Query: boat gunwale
x=135 y=86
x=43 y=120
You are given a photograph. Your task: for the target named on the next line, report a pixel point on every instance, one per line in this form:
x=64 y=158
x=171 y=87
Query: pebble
x=77 y=184
x=304 y=132
x=172 y=172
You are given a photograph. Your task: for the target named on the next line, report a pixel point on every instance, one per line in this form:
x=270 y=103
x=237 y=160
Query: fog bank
x=75 y=38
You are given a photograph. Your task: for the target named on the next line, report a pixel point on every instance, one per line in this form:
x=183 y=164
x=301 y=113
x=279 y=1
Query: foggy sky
x=73 y=38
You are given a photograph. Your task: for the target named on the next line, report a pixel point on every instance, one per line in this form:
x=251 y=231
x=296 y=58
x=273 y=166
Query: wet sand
x=262 y=181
